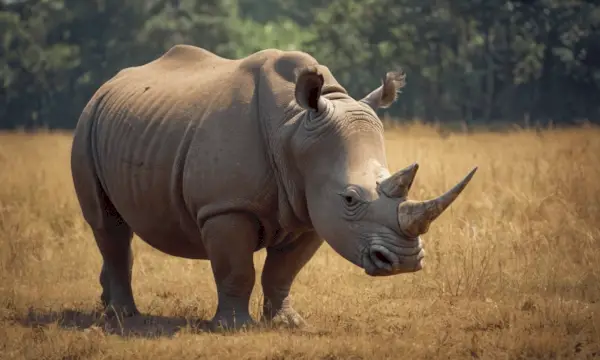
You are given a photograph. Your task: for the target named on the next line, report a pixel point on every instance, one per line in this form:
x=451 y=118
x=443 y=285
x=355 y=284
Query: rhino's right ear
x=309 y=84
x=387 y=93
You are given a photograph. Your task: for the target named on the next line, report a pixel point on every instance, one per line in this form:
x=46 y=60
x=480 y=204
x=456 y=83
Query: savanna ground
x=512 y=268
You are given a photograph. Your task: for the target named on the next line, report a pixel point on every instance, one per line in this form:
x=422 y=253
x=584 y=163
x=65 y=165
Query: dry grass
x=512 y=269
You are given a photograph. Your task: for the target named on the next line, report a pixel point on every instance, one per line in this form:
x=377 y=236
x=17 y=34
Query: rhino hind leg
x=113 y=237
x=230 y=240
x=114 y=243
x=280 y=269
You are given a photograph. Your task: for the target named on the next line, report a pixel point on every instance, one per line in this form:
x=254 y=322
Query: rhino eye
x=351 y=197
x=353 y=202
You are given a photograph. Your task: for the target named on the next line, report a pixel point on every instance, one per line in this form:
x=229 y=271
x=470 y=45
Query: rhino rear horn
x=398 y=185
x=414 y=217
x=387 y=93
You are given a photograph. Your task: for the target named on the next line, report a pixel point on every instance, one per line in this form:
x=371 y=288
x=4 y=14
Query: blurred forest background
x=478 y=61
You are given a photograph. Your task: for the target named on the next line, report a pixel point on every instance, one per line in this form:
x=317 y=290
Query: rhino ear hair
x=309 y=84
x=387 y=93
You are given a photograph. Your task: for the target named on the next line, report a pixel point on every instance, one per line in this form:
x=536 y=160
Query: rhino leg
x=112 y=234
x=281 y=267
x=230 y=240
x=114 y=243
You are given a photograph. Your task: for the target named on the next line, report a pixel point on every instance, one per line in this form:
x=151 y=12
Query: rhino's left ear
x=386 y=94
x=309 y=85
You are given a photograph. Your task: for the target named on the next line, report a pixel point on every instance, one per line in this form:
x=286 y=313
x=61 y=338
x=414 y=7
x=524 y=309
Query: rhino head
x=352 y=200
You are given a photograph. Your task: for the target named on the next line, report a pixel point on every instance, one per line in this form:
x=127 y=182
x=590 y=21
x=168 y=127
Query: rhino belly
x=172 y=241
x=146 y=206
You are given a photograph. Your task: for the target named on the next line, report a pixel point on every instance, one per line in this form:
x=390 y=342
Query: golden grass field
x=512 y=268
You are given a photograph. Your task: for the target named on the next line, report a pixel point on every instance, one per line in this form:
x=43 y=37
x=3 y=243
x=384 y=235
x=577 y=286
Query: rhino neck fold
x=279 y=131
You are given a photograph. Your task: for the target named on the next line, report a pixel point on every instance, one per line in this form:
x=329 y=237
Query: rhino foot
x=229 y=322
x=121 y=311
x=287 y=318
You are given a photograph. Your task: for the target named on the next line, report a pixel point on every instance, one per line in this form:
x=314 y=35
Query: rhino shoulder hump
x=184 y=57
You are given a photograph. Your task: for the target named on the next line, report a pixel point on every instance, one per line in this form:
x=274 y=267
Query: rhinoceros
x=205 y=157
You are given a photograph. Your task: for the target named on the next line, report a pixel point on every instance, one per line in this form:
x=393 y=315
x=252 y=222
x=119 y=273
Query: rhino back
x=178 y=140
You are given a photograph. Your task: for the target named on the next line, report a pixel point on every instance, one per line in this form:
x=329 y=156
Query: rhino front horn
x=414 y=217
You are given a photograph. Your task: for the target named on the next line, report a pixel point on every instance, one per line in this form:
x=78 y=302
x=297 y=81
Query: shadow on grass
x=148 y=326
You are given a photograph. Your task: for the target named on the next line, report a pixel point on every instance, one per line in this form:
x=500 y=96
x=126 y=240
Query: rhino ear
x=386 y=94
x=309 y=84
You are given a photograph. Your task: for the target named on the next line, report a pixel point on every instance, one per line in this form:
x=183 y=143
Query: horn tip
x=472 y=172
x=468 y=178
x=411 y=169
x=463 y=183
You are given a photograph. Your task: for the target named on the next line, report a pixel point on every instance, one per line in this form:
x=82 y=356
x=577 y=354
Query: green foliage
x=472 y=60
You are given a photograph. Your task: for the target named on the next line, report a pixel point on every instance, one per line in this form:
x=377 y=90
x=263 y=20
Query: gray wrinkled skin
x=210 y=158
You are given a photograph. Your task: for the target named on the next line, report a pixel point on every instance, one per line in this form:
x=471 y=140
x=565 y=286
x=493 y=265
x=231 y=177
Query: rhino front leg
x=230 y=241
x=281 y=267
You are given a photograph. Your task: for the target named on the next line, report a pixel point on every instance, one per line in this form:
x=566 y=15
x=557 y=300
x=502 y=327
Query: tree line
x=477 y=61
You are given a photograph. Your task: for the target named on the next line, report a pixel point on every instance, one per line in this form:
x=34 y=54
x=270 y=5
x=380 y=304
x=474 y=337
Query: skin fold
x=211 y=158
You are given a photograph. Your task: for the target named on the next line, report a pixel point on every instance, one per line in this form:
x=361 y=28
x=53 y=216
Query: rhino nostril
x=381 y=257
